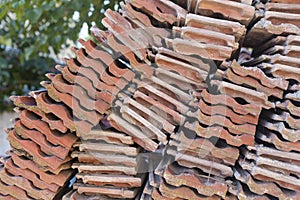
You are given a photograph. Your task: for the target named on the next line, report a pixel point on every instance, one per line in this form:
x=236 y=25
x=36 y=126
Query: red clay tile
x=95 y=52
x=230 y=10
x=122 y=181
x=186 y=70
x=253 y=84
x=46 y=104
x=162 y=11
x=225 y=99
x=86 y=84
x=26 y=186
x=259 y=75
x=31 y=121
x=29 y=175
x=34 y=150
x=259 y=187
x=12 y=190
x=137 y=135
x=75 y=67
x=207 y=51
x=74 y=90
x=272 y=138
x=108 y=136
x=220 y=132
x=41 y=140
x=105 y=159
x=177 y=176
x=227 y=112
x=219 y=25
x=251 y=96
x=292 y=135
x=204 y=148
x=60 y=178
x=220 y=120
x=30 y=104
x=206 y=166
x=78 y=111
x=122 y=193
x=181 y=192
x=154 y=104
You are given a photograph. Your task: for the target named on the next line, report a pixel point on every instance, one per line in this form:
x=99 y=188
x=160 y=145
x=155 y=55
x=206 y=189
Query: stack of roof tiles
x=39 y=165
x=168 y=103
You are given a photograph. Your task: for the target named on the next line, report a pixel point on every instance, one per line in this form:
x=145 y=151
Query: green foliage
x=31 y=29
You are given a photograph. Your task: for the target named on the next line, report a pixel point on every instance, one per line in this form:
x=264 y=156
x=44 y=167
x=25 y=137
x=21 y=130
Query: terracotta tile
x=208 y=51
x=162 y=11
x=220 y=132
x=108 y=136
x=26 y=186
x=12 y=190
x=272 y=138
x=291 y=135
x=253 y=84
x=206 y=36
x=74 y=90
x=129 y=54
x=137 y=135
x=30 y=104
x=111 y=192
x=259 y=75
x=251 y=96
x=117 y=25
x=32 y=121
x=227 y=112
x=103 y=158
x=261 y=188
x=171 y=102
x=184 y=69
x=147 y=114
x=41 y=140
x=284 y=17
x=264 y=29
x=29 y=175
x=220 y=120
x=177 y=176
x=60 y=178
x=78 y=111
x=122 y=181
x=6 y=197
x=181 y=192
x=95 y=52
x=283 y=116
x=237 y=190
x=281 y=71
x=46 y=104
x=142 y=22
x=75 y=67
x=154 y=105
x=103 y=147
x=34 y=150
x=207 y=166
x=264 y=174
x=86 y=84
x=225 y=99
x=230 y=10
x=219 y=25
x=104 y=169
x=204 y=148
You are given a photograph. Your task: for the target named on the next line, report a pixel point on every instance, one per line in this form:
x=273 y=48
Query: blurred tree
x=31 y=29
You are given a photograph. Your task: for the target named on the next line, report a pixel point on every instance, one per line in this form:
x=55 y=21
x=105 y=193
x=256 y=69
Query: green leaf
x=28 y=51
x=33 y=15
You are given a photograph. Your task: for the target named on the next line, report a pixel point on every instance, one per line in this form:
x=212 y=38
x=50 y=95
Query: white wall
x=5 y=123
